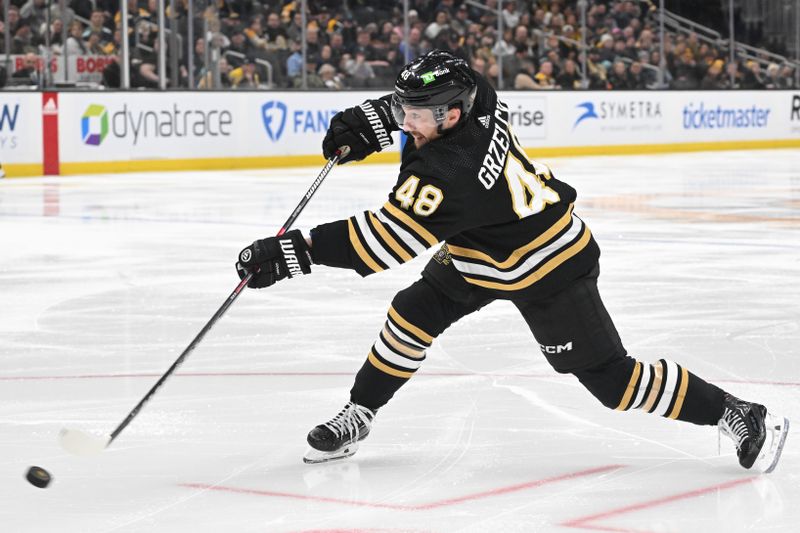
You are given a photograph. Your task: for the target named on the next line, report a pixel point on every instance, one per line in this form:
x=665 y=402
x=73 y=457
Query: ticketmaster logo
x=94 y=125
x=718 y=117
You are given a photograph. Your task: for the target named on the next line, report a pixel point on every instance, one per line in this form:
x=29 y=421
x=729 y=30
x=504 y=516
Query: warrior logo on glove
x=275 y=258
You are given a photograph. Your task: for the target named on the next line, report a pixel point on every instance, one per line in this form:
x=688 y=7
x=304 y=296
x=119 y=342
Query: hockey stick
x=79 y=442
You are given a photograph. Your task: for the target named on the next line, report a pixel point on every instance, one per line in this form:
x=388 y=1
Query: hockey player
x=510 y=232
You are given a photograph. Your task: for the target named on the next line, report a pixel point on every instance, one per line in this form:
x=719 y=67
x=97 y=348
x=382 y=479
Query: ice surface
x=104 y=280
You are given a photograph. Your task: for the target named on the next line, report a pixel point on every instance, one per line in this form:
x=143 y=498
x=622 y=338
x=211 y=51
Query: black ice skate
x=759 y=436
x=339 y=438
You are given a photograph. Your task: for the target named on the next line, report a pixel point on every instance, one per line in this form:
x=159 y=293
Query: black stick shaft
x=221 y=311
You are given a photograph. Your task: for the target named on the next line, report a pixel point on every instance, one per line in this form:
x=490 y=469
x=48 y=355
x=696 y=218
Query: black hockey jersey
x=507 y=223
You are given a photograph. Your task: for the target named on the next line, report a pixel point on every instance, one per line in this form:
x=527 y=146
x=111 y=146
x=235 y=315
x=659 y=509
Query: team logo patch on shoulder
x=442 y=256
x=485 y=120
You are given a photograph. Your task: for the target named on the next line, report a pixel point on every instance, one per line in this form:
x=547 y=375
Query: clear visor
x=416 y=116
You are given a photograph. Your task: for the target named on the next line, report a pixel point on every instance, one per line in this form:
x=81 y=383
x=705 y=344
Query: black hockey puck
x=38 y=477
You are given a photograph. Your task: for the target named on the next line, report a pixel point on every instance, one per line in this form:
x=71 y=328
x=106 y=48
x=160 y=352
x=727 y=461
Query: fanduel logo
x=277 y=117
x=556 y=348
x=718 y=117
x=274 y=115
x=94 y=125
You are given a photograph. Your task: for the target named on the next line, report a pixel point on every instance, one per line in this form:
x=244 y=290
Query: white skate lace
x=732 y=424
x=350 y=420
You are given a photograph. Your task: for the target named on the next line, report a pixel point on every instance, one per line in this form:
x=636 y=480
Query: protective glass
x=418 y=116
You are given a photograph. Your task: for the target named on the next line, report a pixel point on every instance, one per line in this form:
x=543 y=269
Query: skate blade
x=314 y=457
x=776 y=438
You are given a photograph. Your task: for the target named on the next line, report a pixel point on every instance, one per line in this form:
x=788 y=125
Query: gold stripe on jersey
x=676 y=410
x=386 y=368
x=655 y=388
x=388 y=239
x=411 y=224
x=400 y=346
x=411 y=328
x=540 y=272
x=626 y=398
x=358 y=246
x=517 y=254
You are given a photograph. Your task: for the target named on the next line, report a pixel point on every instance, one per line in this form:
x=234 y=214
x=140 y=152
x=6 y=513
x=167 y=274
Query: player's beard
x=419 y=140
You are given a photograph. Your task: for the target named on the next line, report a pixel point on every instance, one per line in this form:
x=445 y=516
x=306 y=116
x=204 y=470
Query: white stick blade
x=78 y=442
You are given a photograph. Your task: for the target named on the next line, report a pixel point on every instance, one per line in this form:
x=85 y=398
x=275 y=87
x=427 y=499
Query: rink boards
x=85 y=132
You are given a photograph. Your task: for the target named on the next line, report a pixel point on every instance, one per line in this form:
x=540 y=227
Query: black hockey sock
x=373 y=388
x=664 y=388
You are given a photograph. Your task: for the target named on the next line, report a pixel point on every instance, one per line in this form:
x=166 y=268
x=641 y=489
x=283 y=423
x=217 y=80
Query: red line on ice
x=586 y=522
x=411 y=507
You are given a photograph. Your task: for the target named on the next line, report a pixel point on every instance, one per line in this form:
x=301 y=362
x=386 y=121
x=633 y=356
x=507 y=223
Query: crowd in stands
x=359 y=44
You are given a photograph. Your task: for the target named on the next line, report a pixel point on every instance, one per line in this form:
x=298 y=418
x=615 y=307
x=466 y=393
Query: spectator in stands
x=461 y=22
x=685 y=72
x=732 y=78
x=786 y=80
x=294 y=63
x=245 y=76
x=414 y=44
x=511 y=14
x=772 y=79
x=29 y=72
x=636 y=77
x=34 y=12
x=337 y=48
x=24 y=41
x=525 y=79
x=275 y=33
x=618 y=77
x=712 y=80
x=75 y=45
x=440 y=23
x=364 y=46
x=56 y=44
x=359 y=70
x=239 y=42
x=544 y=78
x=96 y=25
x=569 y=78
x=752 y=77
x=94 y=45
x=330 y=78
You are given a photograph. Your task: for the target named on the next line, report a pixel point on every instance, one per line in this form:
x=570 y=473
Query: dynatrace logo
x=717 y=117
x=620 y=114
x=94 y=125
x=278 y=118
x=274 y=115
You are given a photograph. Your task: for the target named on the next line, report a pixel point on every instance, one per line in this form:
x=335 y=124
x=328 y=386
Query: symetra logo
x=274 y=115
x=94 y=125
x=620 y=114
x=8 y=122
x=278 y=118
x=98 y=121
x=588 y=112
x=718 y=117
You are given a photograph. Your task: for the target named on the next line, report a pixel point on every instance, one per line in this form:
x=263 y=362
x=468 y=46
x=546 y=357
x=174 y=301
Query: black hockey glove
x=366 y=129
x=275 y=258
